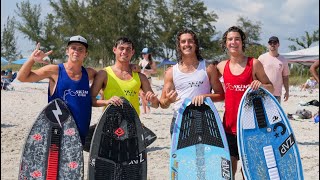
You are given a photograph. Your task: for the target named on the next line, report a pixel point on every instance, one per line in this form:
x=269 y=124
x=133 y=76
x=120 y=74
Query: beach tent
x=4 y=61
x=166 y=62
x=20 y=61
x=304 y=56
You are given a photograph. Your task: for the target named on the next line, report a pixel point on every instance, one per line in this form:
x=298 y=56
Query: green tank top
x=128 y=89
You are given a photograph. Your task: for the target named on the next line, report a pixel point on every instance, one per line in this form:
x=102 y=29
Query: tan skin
x=122 y=69
x=313 y=70
x=237 y=65
x=189 y=64
x=76 y=55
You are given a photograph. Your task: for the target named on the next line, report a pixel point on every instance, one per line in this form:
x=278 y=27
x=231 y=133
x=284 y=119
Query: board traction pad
x=118 y=149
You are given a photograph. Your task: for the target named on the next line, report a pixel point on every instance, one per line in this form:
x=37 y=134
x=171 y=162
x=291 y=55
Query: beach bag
x=304 y=114
x=316 y=119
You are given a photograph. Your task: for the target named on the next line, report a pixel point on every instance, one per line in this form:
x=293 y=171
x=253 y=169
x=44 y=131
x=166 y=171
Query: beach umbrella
x=4 y=61
x=20 y=61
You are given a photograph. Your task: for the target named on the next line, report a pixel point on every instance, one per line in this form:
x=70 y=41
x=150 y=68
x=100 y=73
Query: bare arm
x=149 y=94
x=286 y=87
x=168 y=95
x=313 y=70
x=98 y=84
x=91 y=73
x=260 y=77
x=215 y=84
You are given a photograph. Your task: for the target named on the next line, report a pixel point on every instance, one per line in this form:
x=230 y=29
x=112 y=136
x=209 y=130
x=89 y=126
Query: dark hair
x=187 y=31
x=150 y=58
x=123 y=40
x=233 y=29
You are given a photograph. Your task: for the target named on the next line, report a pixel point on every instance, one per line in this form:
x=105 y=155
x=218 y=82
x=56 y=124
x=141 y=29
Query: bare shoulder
x=50 y=68
x=256 y=63
x=221 y=66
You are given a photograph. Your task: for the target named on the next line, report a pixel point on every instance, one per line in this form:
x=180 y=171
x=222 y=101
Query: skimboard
x=266 y=143
x=149 y=137
x=53 y=148
x=117 y=149
x=199 y=148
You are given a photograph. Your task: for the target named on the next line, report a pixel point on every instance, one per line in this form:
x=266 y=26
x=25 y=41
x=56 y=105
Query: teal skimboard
x=199 y=148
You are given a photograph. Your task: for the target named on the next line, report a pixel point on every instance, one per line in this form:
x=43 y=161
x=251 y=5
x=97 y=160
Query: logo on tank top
x=195 y=84
x=236 y=87
x=129 y=92
x=79 y=93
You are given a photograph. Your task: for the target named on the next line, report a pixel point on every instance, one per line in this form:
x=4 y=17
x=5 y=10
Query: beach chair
x=6 y=84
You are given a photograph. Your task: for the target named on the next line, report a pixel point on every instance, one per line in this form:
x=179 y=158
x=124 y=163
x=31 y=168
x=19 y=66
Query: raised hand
x=38 y=55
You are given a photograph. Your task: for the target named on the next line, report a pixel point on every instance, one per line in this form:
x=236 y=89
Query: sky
x=281 y=18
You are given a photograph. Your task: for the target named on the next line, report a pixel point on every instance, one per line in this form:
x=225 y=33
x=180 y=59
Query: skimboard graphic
x=266 y=143
x=53 y=148
x=118 y=149
x=199 y=148
x=149 y=137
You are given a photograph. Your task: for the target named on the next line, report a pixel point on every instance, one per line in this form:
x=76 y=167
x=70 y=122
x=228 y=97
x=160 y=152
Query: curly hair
x=233 y=29
x=178 y=50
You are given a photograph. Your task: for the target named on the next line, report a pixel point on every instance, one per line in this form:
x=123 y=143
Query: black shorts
x=233 y=145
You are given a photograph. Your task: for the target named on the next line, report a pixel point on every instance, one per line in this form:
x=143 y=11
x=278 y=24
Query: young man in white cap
x=277 y=69
x=68 y=81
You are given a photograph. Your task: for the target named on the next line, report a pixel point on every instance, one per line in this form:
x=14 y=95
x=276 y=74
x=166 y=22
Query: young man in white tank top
x=189 y=78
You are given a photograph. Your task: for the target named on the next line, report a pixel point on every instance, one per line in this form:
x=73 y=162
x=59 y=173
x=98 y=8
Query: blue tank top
x=76 y=94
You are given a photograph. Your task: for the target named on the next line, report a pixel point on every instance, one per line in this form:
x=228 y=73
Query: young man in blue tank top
x=190 y=78
x=68 y=81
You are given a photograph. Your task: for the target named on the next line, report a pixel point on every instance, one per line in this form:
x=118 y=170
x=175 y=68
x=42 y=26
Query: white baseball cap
x=78 y=39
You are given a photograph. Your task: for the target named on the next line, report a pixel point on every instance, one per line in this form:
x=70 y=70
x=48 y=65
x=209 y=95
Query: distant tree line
x=149 y=23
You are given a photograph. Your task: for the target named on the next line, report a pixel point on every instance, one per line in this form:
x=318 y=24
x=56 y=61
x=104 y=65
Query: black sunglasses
x=273 y=42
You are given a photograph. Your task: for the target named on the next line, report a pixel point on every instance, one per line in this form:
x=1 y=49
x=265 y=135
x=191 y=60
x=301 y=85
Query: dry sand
x=20 y=107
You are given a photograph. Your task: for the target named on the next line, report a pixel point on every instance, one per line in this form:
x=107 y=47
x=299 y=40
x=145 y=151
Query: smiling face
x=234 y=42
x=187 y=44
x=123 y=52
x=76 y=52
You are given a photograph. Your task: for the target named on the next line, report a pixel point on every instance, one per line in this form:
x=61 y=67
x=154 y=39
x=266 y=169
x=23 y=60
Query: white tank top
x=189 y=85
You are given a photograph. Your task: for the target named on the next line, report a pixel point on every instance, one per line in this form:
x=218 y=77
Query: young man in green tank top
x=119 y=80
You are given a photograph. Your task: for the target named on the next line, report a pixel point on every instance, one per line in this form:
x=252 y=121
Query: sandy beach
x=19 y=109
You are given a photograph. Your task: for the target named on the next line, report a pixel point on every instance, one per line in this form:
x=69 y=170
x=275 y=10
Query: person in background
x=276 y=68
x=190 y=77
x=309 y=84
x=148 y=67
x=313 y=70
x=68 y=81
x=239 y=72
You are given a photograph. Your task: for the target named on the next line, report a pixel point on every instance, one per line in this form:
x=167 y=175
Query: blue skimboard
x=266 y=143
x=53 y=148
x=118 y=149
x=199 y=148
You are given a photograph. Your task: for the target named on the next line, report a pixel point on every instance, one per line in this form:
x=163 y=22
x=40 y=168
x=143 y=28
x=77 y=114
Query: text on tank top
x=189 y=85
x=235 y=86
